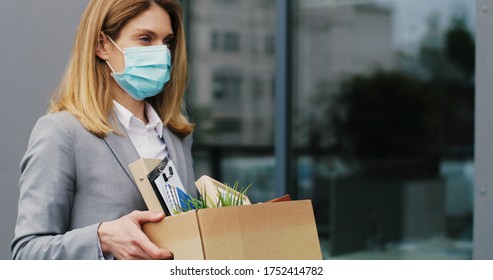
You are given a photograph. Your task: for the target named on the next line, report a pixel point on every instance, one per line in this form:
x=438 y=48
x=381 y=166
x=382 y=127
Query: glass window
x=215 y=41
x=270 y=44
x=230 y=93
x=383 y=125
x=229 y=125
x=382 y=116
x=227 y=92
x=231 y=41
x=227 y=41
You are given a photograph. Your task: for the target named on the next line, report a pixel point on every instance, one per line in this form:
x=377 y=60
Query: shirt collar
x=125 y=117
x=154 y=119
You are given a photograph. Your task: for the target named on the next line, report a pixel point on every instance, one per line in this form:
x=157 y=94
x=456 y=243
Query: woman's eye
x=145 y=39
x=168 y=42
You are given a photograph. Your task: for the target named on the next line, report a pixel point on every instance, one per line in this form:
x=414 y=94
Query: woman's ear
x=101 y=51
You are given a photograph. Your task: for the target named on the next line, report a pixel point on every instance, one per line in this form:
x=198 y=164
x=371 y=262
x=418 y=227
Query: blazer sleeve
x=47 y=187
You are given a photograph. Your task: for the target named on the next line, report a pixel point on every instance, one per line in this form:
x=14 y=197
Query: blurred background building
x=380 y=103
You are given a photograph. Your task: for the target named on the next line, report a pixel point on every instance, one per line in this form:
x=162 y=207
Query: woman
x=120 y=100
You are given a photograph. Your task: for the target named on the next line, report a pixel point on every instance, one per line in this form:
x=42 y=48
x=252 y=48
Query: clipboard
x=168 y=187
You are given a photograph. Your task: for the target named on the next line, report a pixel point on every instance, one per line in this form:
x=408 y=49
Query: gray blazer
x=72 y=180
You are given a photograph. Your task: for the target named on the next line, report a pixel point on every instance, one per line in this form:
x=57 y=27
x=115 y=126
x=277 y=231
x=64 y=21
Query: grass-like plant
x=228 y=197
x=193 y=203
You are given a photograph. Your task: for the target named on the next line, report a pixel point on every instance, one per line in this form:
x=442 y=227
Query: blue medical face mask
x=147 y=70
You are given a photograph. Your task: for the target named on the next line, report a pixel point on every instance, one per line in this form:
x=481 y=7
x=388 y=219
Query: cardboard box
x=279 y=231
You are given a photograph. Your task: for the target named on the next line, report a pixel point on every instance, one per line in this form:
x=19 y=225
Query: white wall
x=36 y=37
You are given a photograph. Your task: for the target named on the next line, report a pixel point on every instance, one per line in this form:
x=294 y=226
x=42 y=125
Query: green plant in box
x=229 y=197
x=233 y=196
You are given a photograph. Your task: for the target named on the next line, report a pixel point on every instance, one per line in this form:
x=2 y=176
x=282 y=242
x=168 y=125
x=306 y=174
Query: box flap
x=285 y=197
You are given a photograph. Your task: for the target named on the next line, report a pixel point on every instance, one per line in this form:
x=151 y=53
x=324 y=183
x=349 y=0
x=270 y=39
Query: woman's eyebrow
x=152 y=33
x=145 y=30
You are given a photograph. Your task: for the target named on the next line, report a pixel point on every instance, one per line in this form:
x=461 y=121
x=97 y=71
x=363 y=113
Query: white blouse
x=147 y=139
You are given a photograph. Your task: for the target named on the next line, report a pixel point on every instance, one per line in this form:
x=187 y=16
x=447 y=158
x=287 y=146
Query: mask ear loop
x=107 y=62
x=112 y=70
x=115 y=44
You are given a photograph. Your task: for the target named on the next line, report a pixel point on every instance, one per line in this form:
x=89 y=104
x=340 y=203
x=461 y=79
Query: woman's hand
x=124 y=239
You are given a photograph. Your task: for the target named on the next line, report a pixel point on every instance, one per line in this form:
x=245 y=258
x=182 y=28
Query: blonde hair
x=84 y=90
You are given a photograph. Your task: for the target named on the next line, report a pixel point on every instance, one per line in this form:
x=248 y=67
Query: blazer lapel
x=125 y=152
x=123 y=149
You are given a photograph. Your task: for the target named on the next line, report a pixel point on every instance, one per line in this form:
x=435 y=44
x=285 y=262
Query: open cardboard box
x=279 y=231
